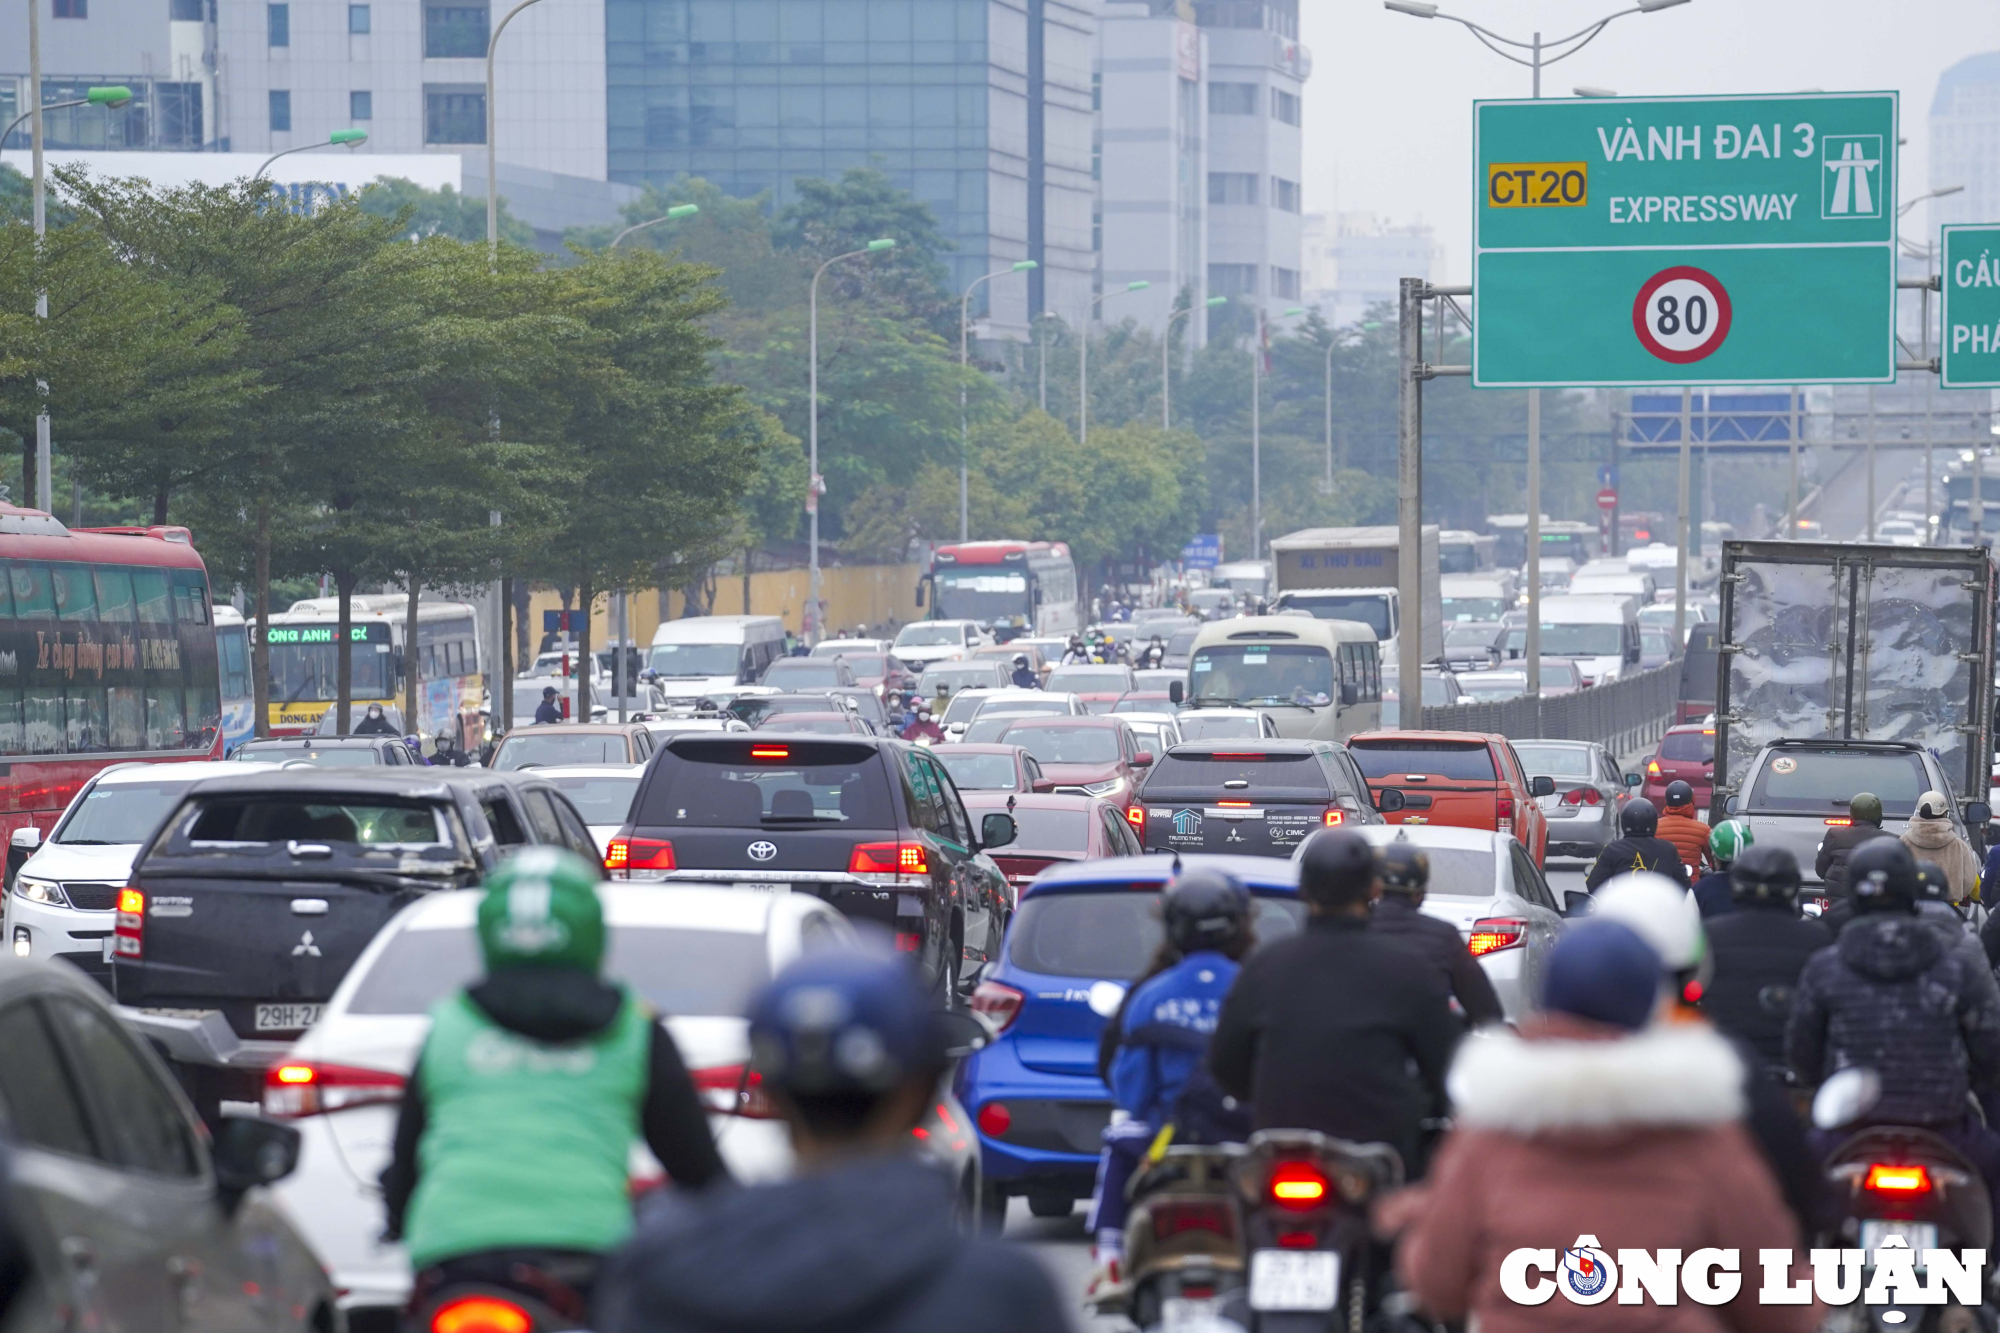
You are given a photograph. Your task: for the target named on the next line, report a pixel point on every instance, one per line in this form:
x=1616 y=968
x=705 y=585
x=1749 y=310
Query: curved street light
x=1166 y=340
x=351 y=138
x=114 y=95
x=964 y=362
x=674 y=214
x=492 y=155
x=810 y=621
x=1256 y=440
x=1083 y=358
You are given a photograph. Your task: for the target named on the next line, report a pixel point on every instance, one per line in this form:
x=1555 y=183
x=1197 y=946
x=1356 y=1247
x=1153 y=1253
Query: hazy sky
x=1388 y=120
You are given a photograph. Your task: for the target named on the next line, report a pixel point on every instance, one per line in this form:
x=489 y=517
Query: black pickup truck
x=257 y=894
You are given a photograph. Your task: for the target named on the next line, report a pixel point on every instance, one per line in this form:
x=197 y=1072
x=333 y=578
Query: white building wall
x=1965 y=141
x=1152 y=187
x=1255 y=248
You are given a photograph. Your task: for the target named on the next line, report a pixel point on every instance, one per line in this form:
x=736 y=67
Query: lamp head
x=1216 y=301
x=349 y=137
x=116 y=94
x=1022 y=266
x=886 y=243
x=683 y=211
x=1414 y=8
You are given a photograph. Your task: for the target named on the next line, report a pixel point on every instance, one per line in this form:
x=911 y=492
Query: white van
x=1637 y=584
x=1476 y=597
x=710 y=654
x=1315 y=679
x=1600 y=634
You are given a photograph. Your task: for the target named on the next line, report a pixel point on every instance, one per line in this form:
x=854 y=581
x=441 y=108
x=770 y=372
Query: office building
x=1152 y=167
x=1354 y=261
x=161 y=49
x=1965 y=141
x=1256 y=72
x=980 y=108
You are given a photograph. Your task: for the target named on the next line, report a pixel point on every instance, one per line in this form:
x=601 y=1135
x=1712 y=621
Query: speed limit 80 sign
x=1685 y=240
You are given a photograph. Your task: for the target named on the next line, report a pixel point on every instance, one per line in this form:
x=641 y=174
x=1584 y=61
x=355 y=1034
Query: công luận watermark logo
x=1893 y=1274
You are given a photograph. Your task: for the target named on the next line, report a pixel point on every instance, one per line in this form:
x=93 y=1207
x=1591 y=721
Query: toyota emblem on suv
x=763 y=851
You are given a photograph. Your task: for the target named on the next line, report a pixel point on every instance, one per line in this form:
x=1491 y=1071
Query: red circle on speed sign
x=1681 y=314
x=1607 y=499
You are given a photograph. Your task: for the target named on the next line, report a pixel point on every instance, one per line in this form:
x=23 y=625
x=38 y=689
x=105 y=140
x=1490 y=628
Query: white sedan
x=601 y=793
x=697 y=955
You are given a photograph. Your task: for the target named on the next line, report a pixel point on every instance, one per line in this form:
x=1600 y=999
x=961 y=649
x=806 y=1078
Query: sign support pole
x=1681 y=556
x=1792 y=495
x=1409 y=505
x=1532 y=645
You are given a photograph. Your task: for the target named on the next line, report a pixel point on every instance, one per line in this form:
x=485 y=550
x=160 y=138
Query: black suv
x=1253 y=797
x=258 y=892
x=872 y=825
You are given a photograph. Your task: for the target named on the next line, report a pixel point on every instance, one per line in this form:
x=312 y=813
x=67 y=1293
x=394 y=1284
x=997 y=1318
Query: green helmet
x=1727 y=840
x=541 y=910
x=1866 y=807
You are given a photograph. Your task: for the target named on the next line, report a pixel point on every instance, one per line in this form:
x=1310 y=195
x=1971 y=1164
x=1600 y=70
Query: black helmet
x=1932 y=881
x=1337 y=868
x=1205 y=909
x=1639 y=819
x=1405 y=868
x=1679 y=793
x=1764 y=872
x=1883 y=875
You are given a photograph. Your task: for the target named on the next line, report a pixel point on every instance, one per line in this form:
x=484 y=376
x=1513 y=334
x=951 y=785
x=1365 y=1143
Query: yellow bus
x=451 y=686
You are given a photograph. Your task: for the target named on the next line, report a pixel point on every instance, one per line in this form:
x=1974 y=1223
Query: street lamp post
x=115 y=95
x=809 y=622
x=1083 y=358
x=1256 y=433
x=1042 y=347
x=1539 y=55
x=1332 y=345
x=351 y=138
x=964 y=363
x=492 y=154
x=674 y=214
x=1166 y=344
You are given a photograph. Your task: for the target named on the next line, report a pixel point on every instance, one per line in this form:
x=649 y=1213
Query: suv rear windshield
x=541 y=750
x=1210 y=769
x=752 y=784
x=980 y=772
x=1688 y=746
x=1113 y=935
x=369 y=821
x=1439 y=759
x=1820 y=782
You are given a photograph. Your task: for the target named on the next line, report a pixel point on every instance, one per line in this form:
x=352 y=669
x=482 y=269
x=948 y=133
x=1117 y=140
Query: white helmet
x=1666 y=916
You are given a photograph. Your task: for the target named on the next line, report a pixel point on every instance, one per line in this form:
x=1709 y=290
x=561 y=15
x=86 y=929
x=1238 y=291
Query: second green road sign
x=1685 y=240
x=1970 y=321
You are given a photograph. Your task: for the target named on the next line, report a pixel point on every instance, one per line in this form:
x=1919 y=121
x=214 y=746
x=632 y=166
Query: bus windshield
x=966 y=594
x=304 y=664
x=1370 y=609
x=1602 y=640
x=1262 y=673
x=685 y=661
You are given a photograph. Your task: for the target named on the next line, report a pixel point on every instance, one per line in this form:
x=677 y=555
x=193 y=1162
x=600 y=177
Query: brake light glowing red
x=889 y=858
x=1839 y=821
x=1583 y=796
x=622 y=855
x=770 y=752
x=481 y=1314
x=1235 y=805
x=1334 y=817
x=1888 y=1179
x=1503 y=813
x=301 y=1088
x=1298 y=1185
x=1000 y=1004
x=1494 y=933
x=128 y=932
x=733 y=1090
x=1136 y=816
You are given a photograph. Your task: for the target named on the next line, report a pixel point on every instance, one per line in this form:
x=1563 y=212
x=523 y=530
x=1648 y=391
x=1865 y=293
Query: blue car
x=1080 y=936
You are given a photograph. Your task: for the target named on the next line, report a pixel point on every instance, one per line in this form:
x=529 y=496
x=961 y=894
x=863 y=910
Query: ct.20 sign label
x=1691 y=240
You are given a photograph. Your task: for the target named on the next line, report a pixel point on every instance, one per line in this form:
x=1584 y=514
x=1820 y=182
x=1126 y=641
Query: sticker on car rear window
x=1784 y=763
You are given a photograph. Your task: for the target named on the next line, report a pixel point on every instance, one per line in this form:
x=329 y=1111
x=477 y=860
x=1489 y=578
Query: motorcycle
x=1312 y=1263
x=1183 y=1260
x=1904 y=1183
x=523 y=1293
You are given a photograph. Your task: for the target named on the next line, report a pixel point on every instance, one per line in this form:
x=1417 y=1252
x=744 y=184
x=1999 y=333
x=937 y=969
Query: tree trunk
x=260 y=650
x=412 y=658
x=500 y=697
x=343 y=653
x=585 y=595
x=159 y=508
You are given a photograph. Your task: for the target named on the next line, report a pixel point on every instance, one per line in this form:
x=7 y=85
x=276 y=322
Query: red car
x=984 y=768
x=1053 y=830
x=1097 y=685
x=1687 y=754
x=1461 y=778
x=1086 y=756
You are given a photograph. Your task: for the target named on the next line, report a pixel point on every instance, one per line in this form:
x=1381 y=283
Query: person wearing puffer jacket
x=1594 y=1120
x=1930 y=837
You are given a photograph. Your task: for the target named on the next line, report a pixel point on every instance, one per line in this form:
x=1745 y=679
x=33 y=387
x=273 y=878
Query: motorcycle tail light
x=733 y=1090
x=1299 y=1185
x=999 y=1004
x=1884 y=1178
x=1174 y=1217
x=299 y=1088
x=1494 y=933
x=481 y=1314
x=128 y=934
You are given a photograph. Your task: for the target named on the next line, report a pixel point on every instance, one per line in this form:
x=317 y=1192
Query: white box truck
x=1352 y=574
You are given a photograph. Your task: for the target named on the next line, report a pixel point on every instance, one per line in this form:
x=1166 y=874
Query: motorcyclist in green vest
x=512 y=1146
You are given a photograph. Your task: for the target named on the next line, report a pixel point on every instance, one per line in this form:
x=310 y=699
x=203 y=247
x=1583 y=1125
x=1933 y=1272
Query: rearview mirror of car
x=1142 y=760
x=1978 y=812
x=1175 y=691
x=250 y=1151
x=1541 y=786
x=1389 y=800
x=965 y=1033
x=1576 y=902
x=29 y=838
x=1729 y=805
x=1042 y=785
x=1633 y=779
x=996 y=830
x=1350 y=694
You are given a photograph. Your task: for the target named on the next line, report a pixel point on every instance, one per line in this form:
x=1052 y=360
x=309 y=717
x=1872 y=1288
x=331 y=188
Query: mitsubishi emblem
x=306 y=947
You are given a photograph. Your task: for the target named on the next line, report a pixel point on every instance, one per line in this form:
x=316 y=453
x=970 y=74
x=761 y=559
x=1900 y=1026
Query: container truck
x=1352 y=574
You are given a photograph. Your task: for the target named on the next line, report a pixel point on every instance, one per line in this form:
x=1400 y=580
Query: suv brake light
x=299 y=1088
x=1135 y=815
x=733 y=1090
x=890 y=861
x=128 y=932
x=1503 y=808
x=999 y=1005
x=1333 y=818
x=1494 y=933
x=623 y=856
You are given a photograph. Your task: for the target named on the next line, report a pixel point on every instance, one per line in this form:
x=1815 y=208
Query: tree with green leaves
x=440 y=212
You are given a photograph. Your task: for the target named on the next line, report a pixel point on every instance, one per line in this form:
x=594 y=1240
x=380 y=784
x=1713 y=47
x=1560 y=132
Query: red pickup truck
x=1465 y=779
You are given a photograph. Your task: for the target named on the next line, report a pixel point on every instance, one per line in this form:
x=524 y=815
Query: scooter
x=1312 y=1263
x=1183 y=1255
x=536 y=1296
x=1903 y=1183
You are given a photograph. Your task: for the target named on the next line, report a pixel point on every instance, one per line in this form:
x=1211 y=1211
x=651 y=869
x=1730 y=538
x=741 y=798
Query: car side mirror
x=1389 y=800
x=1142 y=760
x=1978 y=812
x=1350 y=694
x=965 y=1033
x=996 y=830
x=1176 y=691
x=1633 y=779
x=250 y=1151
x=1730 y=805
x=1541 y=786
x=920 y=592
x=1042 y=785
x=1576 y=902
x=26 y=838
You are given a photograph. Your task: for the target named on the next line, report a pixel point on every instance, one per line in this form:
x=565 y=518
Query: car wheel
x=991 y=1210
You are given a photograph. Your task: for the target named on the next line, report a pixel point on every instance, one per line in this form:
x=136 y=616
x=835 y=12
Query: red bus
x=1013 y=588
x=107 y=654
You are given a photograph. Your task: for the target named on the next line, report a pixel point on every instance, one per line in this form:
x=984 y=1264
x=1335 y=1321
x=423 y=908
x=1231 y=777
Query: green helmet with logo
x=541 y=910
x=1727 y=840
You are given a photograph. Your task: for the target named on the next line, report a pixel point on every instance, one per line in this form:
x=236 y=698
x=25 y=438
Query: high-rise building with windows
x=979 y=108
x=1256 y=73
x=1965 y=141
x=1354 y=261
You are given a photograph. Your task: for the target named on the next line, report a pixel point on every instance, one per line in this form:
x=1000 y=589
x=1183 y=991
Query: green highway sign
x=1970 y=318
x=1685 y=240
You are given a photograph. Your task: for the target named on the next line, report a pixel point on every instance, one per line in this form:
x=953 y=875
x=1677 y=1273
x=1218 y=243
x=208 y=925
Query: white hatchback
x=64 y=900
x=697 y=955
